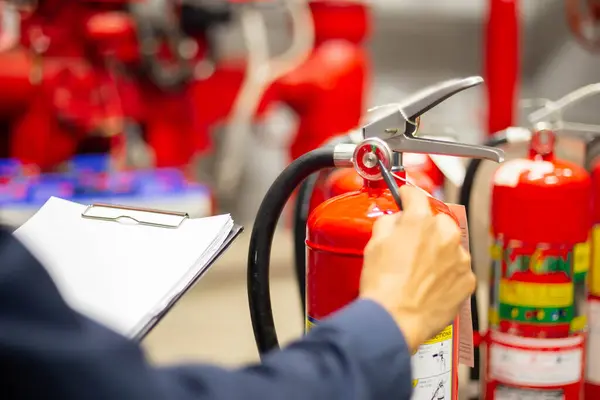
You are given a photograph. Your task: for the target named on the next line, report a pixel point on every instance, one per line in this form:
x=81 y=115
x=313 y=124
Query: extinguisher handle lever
x=425 y=99
x=403 y=117
x=552 y=110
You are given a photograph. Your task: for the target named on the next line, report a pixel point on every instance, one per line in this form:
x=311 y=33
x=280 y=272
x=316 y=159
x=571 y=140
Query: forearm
x=359 y=354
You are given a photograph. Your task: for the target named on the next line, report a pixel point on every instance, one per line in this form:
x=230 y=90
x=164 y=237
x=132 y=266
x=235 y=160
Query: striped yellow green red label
x=525 y=294
x=538 y=315
x=540 y=283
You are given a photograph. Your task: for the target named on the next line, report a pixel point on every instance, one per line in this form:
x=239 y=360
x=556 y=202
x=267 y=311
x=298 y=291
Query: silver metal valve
x=398 y=124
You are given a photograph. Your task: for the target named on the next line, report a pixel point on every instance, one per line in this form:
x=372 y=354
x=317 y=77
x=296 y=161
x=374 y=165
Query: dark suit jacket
x=48 y=351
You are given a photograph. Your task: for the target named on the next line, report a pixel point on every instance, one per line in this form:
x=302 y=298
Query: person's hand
x=416 y=268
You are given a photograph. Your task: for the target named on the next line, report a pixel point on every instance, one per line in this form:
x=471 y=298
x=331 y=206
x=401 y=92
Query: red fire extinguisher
x=339 y=229
x=420 y=170
x=536 y=338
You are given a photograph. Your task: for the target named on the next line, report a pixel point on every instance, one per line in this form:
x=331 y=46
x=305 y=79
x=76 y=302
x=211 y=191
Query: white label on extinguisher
x=593 y=345
x=432 y=368
x=536 y=362
x=510 y=393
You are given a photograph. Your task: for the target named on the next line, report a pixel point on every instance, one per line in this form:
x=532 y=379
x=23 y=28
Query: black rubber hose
x=300 y=218
x=261 y=241
x=301 y=210
x=497 y=140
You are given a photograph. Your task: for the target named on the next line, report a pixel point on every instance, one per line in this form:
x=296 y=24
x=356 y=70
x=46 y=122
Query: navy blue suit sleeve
x=49 y=351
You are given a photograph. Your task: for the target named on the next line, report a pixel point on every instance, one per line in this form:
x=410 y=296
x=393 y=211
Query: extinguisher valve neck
x=343 y=154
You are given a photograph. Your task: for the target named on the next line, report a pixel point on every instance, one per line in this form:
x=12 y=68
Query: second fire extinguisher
x=536 y=339
x=339 y=228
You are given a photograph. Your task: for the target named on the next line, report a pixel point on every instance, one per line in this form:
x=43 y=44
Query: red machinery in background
x=583 y=17
x=339 y=229
x=54 y=96
x=328 y=90
x=116 y=61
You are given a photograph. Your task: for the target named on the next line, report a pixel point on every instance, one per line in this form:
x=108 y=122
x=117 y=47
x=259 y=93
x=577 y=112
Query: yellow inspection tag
x=524 y=294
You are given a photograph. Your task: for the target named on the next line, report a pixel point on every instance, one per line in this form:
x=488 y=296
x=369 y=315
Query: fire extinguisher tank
x=337 y=232
x=540 y=220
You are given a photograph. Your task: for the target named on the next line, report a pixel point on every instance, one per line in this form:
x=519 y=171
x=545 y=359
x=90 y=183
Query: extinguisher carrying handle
x=261 y=241
x=404 y=115
x=398 y=125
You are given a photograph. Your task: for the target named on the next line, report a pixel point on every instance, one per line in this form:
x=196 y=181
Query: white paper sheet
x=121 y=275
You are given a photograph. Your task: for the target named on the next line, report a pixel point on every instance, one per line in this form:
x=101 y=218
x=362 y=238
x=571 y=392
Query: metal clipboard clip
x=135 y=215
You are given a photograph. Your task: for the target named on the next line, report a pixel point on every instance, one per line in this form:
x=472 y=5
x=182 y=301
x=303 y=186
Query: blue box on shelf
x=50 y=185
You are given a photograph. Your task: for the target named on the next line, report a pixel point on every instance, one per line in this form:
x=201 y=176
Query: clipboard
x=149 y=300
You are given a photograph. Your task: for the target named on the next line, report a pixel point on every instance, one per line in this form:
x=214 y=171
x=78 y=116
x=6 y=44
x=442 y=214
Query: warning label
x=431 y=389
x=443 y=336
x=543 y=366
x=511 y=393
x=432 y=368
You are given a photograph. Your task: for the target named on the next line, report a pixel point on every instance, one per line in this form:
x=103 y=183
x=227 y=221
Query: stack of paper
x=122 y=275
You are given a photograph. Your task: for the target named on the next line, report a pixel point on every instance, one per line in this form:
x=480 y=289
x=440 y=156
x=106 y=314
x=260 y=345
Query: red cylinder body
x=327 y=91
x=592 y=381
x=501 y=63
x=540 y=222
x=337 y=232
